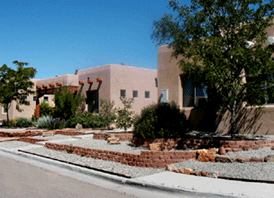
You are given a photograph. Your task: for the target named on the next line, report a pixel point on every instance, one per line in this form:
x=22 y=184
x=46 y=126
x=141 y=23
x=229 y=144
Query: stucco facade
x=102 y=82
x=255 y=120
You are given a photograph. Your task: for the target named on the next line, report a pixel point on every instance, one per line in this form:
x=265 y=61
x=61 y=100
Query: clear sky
x=57 y=37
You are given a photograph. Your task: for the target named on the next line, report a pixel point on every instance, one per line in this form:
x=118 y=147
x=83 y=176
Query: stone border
x=124 y=136
x=153 y=159
x=31 y=140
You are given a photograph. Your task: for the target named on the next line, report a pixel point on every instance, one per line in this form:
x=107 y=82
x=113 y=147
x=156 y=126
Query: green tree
x=124 y=118
x=223 y=43
x=67 y=104
x=107 y=112
x=15 y=85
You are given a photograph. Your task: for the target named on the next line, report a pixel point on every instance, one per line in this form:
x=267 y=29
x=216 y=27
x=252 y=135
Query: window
x=34 y=98
x=147 y=94
x=193 y=96
x=164 y=95
x=122 y=93
x=46 y=99
x=135 y=94
x=25 y=98
x=5 y=110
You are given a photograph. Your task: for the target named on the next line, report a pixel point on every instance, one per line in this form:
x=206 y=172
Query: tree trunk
x=232 y=121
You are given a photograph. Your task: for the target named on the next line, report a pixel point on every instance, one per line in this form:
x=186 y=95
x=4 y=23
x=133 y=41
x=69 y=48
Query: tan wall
x=133 y=79
x=253 y=121
x=169 y=75
x=66 y=80
x=27 y=110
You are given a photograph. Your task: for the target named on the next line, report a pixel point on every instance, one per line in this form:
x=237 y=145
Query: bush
x=107 y=112
x=67 y=104
x=56 y=123
x=45 y=110
x=23 y=123
x=87 y=119
x=42 y=122
x=161 y=120
x=125 y=118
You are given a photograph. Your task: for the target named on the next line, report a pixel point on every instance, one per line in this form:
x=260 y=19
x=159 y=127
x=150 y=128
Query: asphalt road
x=25 y=176
x=18 y=179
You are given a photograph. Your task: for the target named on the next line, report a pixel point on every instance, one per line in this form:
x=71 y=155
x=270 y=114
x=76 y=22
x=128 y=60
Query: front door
x=93 y=101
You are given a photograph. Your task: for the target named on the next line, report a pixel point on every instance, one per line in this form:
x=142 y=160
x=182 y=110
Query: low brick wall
x=207 y=143
x=20 y=134
x=68 y=132
x=124 y=136
x=31 y=140
x=246 y=145
x=154 y=159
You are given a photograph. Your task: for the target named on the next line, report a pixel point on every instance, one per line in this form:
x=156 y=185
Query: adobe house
x=108 y=82
x=172 y=86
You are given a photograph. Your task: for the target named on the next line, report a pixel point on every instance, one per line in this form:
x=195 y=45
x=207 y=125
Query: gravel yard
x=249 y=170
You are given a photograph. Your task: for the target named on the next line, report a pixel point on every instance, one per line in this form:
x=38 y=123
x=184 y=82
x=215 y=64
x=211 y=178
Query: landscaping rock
x=78 y=127
x=186 y=171
x=242 y=159
x=155 y=147
x=171 y=167
x=222 y=150
x=255 y=159
x=48 y=133
x=113 y=140
x=206 y=155
x=269 y=158
x=224 y=159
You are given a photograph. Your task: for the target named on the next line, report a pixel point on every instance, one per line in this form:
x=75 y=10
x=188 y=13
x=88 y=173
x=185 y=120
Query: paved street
x=24 y=177
x=18 y=179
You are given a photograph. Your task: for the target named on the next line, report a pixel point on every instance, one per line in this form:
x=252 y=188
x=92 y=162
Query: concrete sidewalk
x=210 y=185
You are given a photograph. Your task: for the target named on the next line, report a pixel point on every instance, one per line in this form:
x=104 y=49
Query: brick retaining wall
x=124 y=136
x=20 y=134
x=154 y=159
x=68 y=132
x=207 y=143
x=31 y=140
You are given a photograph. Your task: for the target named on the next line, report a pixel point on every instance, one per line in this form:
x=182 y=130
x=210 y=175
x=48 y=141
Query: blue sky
x=57 y=37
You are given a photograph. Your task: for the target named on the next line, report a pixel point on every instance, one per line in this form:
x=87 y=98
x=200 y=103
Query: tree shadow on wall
x=248 y=121
x=216 y=121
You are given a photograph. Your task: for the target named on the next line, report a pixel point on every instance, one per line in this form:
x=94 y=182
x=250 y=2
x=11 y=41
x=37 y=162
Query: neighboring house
x=108 y=82
x=172 y=86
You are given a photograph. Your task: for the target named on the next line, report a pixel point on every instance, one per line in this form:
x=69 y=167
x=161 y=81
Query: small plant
x=86 y=119
x=56 y=123
x=23 y=123
x=69 y=148
x=42 y=122
x=245 y=148
x=107 y=112
x=125 y=116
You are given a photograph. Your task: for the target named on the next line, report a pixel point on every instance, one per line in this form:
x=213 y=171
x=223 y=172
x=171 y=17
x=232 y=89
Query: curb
x=106 y=175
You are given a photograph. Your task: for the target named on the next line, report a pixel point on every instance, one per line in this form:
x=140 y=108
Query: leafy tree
x=124 y=119
x=15 y=85
x=223 y=45
x=107 y=112
x=67 y=104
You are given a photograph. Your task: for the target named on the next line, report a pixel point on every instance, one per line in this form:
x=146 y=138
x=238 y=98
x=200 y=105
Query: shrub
x=67 y=104
x=87 y=119
x=42 y=122
x=45 y=110
x=125 y=119
x=161 y=120
x=107 y=112
x=56 y=123
x=23 y=122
